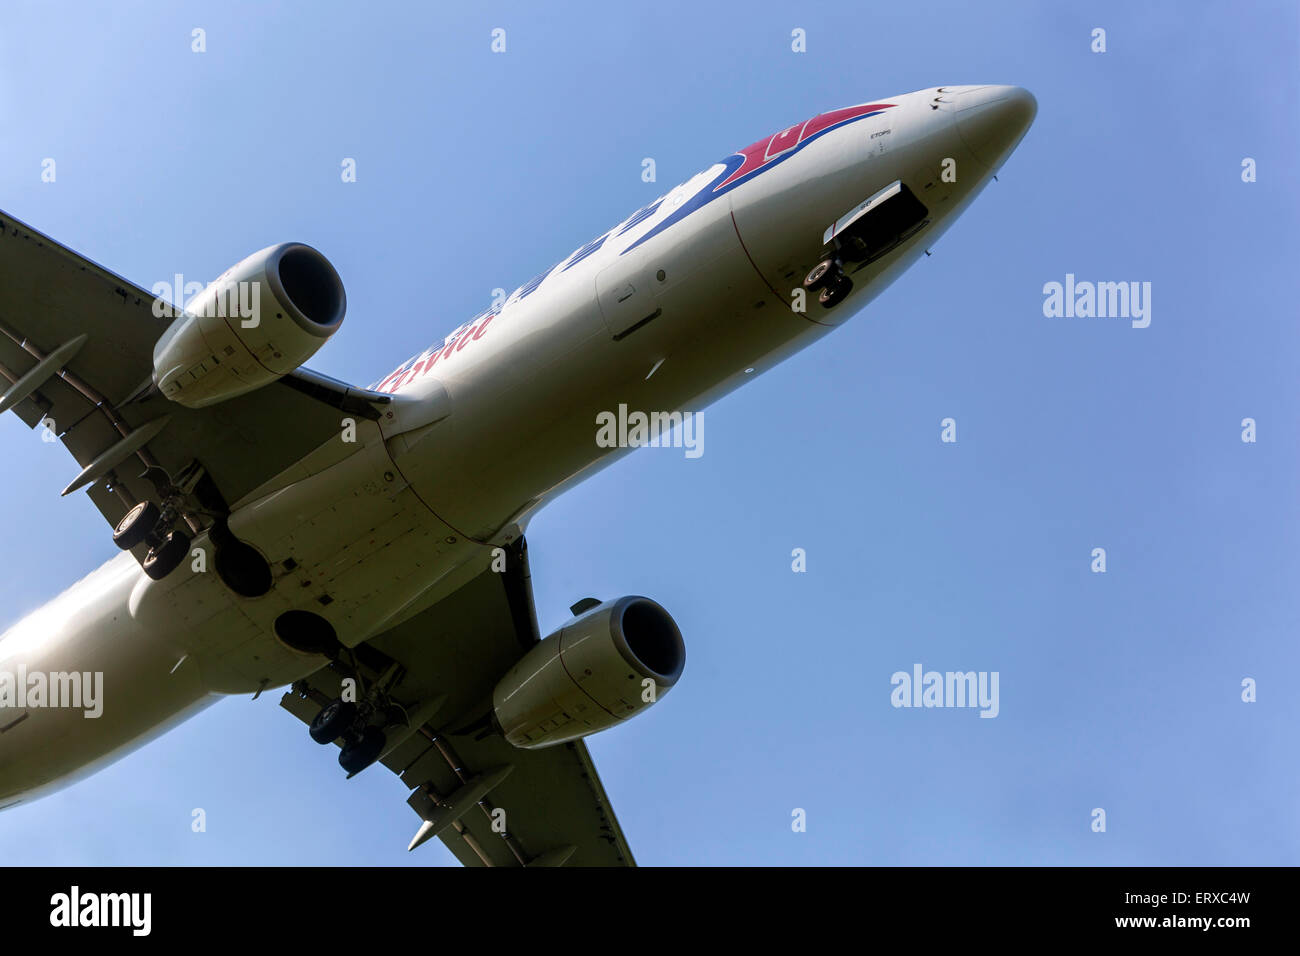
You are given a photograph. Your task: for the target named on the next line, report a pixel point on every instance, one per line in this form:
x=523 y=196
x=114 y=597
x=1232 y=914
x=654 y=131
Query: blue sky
x=475 y=171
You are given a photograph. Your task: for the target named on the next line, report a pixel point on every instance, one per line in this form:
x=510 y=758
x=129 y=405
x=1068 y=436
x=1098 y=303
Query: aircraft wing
x=100 y=395
x=550 y=807
x=50 y=295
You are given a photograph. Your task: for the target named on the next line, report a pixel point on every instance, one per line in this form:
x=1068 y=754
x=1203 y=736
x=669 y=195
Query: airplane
x=365 y=547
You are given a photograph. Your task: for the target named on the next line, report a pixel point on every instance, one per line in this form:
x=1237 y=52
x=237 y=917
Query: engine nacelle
x=260 y=320
x=601 y=668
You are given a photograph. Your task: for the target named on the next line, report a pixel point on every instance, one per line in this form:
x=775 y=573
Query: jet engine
x=604 y=666
x=259 y=321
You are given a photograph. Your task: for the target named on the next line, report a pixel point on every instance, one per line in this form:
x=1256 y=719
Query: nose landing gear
x=868 y=231
x=828 y=280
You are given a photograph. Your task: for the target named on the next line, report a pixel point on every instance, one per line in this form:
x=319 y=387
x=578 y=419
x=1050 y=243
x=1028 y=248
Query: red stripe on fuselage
x=764 y=151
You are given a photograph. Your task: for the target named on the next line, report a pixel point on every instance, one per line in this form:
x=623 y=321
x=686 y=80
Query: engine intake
x=260 y=320
x=601 y=668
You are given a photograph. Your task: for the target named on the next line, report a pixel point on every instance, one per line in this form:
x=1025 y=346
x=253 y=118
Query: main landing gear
x=362 y=743
x=239 y=565
x=147 y=523
x=360 y=724
x=828 y=280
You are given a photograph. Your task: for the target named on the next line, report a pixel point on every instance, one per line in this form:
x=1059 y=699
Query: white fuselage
x=498 y=419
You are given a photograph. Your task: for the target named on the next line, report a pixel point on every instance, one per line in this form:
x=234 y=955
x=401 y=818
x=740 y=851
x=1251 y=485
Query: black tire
x=822 y=275
x=136 y=525
x=356 y=757
x=167 y=556
x=835 y=293
x=333 y=721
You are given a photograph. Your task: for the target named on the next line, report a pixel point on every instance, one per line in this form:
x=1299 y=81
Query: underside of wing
x=491 y=803
x=96 y=362
x=77 y=359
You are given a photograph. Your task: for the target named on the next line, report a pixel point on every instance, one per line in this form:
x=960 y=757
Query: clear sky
x=1118 y=690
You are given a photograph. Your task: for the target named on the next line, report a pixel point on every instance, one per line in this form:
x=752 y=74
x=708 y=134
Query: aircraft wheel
x=333 y=721
x=836 y=292
x=358 y=756
x=167 y=556
x=136 y=525
x=822 y=275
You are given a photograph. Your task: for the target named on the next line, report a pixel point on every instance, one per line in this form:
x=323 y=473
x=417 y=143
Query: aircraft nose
x=993 y=119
